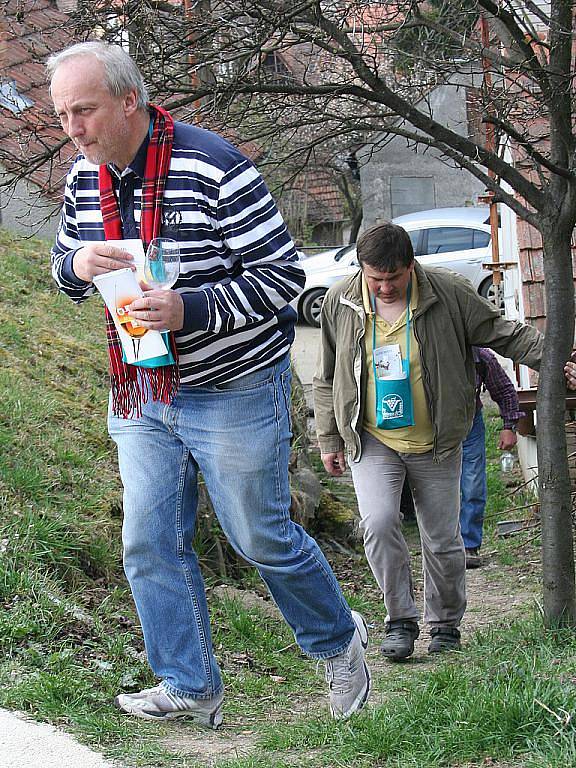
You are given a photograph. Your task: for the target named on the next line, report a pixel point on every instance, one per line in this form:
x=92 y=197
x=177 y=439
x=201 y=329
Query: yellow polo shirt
x=420 y=437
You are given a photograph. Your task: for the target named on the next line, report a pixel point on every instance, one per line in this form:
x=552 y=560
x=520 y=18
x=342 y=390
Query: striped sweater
x=239 y=266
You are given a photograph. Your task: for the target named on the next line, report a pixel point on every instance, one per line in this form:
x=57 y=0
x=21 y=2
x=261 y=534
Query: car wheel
x=488 y=291
x=311 y=306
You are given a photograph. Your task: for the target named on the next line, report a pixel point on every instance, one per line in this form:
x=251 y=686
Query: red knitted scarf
x=131 y=383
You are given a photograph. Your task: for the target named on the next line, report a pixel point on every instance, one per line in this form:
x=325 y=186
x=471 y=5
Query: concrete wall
x=26 y=211
x=449 y=186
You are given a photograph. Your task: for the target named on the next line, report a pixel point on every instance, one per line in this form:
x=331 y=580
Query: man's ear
x=130 y=103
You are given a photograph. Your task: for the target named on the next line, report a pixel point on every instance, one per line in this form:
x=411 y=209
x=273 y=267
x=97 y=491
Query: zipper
x=358 y=380
x=428 y=391
x=357 y=368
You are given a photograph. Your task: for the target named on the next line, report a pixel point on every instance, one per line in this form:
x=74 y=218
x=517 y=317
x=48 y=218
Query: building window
x=411 y=193
x=275 y=68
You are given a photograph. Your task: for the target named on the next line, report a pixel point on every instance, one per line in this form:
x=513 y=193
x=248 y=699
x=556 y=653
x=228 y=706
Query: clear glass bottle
x=507 y=461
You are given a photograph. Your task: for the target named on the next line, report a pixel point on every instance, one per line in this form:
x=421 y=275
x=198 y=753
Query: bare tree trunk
x=349 y=186
x=356 y=224
x=554 y=478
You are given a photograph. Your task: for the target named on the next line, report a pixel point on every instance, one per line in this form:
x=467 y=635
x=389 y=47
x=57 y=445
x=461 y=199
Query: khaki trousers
x=378 y=480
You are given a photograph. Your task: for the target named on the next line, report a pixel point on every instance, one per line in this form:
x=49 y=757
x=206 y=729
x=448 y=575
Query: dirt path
x=496 y=595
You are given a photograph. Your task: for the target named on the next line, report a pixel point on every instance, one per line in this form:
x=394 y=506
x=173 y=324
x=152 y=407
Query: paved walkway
x=27 y=744
x=304 y=354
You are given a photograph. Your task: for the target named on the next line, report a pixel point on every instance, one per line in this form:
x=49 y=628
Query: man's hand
x=570 y=373
x=97 y=258
x=334 y=463
x=507 y=440
x=158 y=310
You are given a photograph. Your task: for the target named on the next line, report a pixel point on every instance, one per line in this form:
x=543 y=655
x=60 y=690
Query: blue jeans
x=473 y=484
x=238 y=436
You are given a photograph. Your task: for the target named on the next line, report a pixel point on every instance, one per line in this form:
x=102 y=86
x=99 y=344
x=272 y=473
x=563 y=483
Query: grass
x=504 y=700
x=506 y=500
x=69 y=637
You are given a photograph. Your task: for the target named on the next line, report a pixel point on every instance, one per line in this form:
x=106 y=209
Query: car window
x=481 y=239
x=414 y=238
x=445 y=239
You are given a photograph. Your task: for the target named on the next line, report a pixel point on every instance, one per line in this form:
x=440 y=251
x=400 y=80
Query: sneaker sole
x=207 y=719
x=359 y=701
x=362 y=697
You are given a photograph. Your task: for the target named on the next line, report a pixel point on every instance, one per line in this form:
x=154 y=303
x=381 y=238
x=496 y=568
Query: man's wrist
x=67 y=270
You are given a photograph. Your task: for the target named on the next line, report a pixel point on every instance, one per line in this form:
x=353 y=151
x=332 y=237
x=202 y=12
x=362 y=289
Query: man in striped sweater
x=222 y=408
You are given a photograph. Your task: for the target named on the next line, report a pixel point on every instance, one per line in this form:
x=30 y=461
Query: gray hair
x=121 y=73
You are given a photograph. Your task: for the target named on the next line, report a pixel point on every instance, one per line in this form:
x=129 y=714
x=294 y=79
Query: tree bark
x=559 y=593
x=356 y=224
x=557 y=225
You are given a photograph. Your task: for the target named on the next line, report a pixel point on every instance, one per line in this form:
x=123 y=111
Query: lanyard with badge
x=394 y=407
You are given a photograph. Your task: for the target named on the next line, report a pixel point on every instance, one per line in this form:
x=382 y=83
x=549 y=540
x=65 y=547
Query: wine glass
x=162 y=263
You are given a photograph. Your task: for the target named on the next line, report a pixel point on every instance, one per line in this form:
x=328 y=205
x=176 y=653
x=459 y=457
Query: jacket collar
x=351 y=294
x=426 y=294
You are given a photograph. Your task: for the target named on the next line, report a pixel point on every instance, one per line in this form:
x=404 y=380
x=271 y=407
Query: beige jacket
x=450 y=318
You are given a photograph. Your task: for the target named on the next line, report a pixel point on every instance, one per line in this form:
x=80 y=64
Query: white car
x=455 y=238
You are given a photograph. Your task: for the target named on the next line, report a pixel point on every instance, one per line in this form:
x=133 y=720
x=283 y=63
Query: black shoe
x=444 y=639
x=399 y=641
x=473 y=559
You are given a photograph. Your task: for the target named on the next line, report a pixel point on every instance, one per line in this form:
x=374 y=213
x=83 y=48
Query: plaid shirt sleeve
x=500 y=388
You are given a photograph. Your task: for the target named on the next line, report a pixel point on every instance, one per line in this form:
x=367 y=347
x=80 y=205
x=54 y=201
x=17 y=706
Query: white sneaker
x=347 y=674
x=160 y=704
